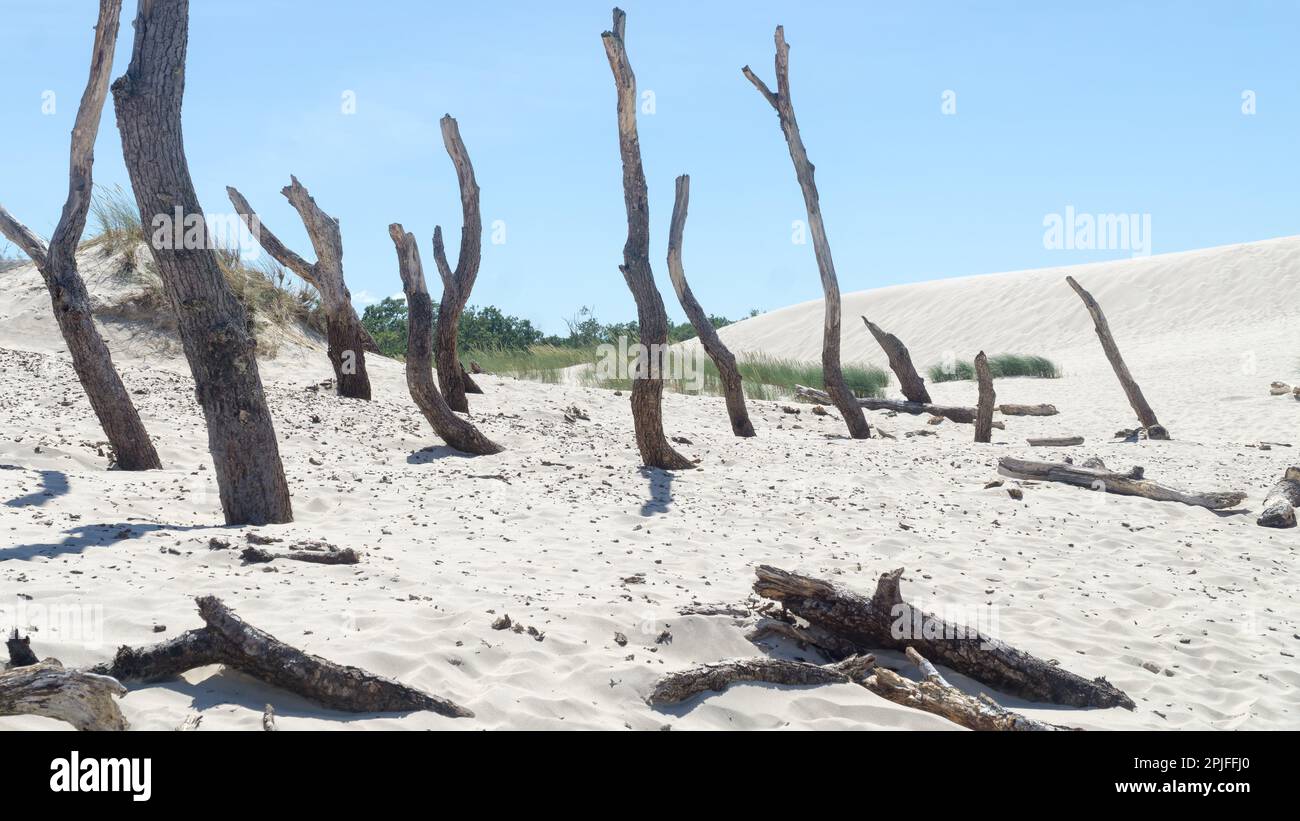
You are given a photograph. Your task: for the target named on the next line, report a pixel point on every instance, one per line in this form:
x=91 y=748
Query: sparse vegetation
x=1001 y=365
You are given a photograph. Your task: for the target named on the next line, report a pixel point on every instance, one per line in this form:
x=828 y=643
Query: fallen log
x=1028 y=410
x=900 y=361
x=987 y=396
x=1123 y=484
x=1055 y=441
x=885 y=620
x=229 y=640
x=84 y=700
x=1281 y=501
x=256 y=555
x=680 y=686
x=964 y=415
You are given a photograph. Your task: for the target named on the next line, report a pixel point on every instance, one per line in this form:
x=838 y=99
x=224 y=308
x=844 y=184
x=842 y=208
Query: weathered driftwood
x=963 y=415
x=728 y=373
x=684 y=684
x=1123 y=484
x=900 y=361
x=229 y=640
x=191 y=722
x=832 y=373
x=256 y=555
x=933 y=694
x=455 y=431
x=1028 y=410
x=1135 y=398
x=987 y=396
x=1054 y=441
x=268 y=719
x=345 y=334
x=652 y=319
x=57 y=263
x=457 y=283
x=885 y=620
x=84 y=700
x=20 y=650
x=1281 y=501
x=214 y=328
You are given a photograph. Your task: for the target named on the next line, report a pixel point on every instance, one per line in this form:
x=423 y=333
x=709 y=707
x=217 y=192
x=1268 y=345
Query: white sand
x=1102 y=583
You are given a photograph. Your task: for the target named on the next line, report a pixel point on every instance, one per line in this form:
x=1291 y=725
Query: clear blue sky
x=1111 y=107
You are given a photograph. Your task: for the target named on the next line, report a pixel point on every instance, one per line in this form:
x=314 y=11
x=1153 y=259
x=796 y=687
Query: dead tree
x=213 y=325
x=886 y=620
x=732 y=389
x=227 y=639
x=647 y=381
x=345 y=334
x=1131 y=483
x=1281 y=501
x=1135 y=398
x=457 y=284
x=832 y=374
x=987 y=396
x=57 y=263
x=455 y=431
x=900 y=362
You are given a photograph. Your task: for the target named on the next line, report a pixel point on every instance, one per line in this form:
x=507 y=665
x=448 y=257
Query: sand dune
x=1194 y=614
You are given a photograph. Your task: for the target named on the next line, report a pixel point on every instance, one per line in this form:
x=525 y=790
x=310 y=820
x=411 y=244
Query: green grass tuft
x=1000 y=365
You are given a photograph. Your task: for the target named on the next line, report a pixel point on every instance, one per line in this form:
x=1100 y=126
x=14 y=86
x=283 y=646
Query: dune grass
x=1000 y=365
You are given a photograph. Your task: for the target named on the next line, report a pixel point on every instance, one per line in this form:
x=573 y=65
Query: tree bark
x=1135 y=398
x=732 y=389
x=345 y=335
x=457 y=284
x=84 y=700
x=213 y=325
x=1281 y=501
x=1123 y=484
x=227 y=639
x=900 y=362
x=647 y=381
x=832 y=374
x=885 y=620
x=132 y=448
x=987 y=396
x=455 y=431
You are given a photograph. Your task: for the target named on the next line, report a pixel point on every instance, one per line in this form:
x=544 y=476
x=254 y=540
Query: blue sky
x=1108 y=107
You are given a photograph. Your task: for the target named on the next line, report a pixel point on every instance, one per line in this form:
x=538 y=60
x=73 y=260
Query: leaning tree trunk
x=900 y=362
x=647 y=382
x=987 y=396
x=832 y=374
x=345 y=334
x=457 y=284
x=91 y=359
x=718 y=352
x=1135 y=398
x=455 y=431
x=213 y=325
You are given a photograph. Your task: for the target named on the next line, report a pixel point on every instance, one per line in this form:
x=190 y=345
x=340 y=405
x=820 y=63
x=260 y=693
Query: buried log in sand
x=1281 y=501
x=1131 y=483
x=229 y=640
x=964 y=415
x=1028 y=410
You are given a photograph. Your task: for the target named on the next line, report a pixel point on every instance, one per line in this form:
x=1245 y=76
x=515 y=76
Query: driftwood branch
x=832 y=372
x=1135 y=398
x=722 y=357
x=963 y=415
x=1123 y=484
x=455 y=431
x=680 y=686
x=1054 y=441
x=256 y=555
x=1281 y=501
x=886 y=620
x=227 y=639
x=85 y=700
x=900 y=362
x=1027 y=410
x=987 y=396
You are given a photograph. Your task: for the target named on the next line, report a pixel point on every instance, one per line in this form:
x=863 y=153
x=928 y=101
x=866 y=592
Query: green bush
x=1000 y=365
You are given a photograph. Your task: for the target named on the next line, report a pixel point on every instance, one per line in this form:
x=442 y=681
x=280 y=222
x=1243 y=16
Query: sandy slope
x=565 y=533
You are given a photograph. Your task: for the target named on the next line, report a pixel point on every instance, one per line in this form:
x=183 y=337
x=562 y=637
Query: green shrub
x=1000 y=365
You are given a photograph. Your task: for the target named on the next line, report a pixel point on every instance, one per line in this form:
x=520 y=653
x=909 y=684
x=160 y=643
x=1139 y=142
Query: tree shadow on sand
x=661 y=493
x=97 y=535
x=54 y=483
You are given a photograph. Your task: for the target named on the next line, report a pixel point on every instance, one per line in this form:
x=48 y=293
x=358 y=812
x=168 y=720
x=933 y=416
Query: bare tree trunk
x=214 y=327
x=900 y=362
x=718 y=352
x=647 y=383
x=984 y=410
x=455 y=431
x=1135 y=398
x=91 y=359
x=457 y=284
x=346 y=337
x=832 y=374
